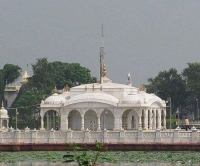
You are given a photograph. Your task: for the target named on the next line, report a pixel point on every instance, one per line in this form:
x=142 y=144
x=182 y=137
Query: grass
x=115 y=157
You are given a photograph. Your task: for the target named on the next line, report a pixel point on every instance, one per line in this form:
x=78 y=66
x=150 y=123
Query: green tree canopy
x=11 y=73
x=192 y=76
x=169 y=84
x=47 y=75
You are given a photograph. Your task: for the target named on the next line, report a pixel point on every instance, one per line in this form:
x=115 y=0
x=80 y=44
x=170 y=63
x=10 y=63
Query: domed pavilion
x=103 y=105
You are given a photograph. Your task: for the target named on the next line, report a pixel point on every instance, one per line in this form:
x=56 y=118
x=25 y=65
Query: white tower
x=24 y=78
x=4 y=118
x=129 y=81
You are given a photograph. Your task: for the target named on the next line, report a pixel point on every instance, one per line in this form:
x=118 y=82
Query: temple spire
x=129 y=81
x=101 y=54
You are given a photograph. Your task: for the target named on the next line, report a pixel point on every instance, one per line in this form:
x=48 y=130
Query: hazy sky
x=142 y=37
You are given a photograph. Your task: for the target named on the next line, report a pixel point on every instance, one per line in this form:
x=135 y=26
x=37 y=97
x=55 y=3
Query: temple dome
x=3 y=112
x=55 y=99
x=132 y=98
x=93 y=97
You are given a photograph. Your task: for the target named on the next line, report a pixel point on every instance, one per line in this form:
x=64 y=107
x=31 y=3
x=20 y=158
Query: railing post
x=176 y=135
x=86 y=136
x=69 y=136
x=34 y=136
x=140 y=135
x=158 y=136
x=122 y=136
x=194 y=134
x=52 y=136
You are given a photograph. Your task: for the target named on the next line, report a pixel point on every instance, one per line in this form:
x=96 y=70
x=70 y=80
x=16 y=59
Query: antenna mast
x=101 y=55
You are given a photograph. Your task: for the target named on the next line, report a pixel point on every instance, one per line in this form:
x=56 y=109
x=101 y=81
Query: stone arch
x=51 y=120
x=90 y=120
x=5 y=123
x=107 y=120
x=74 y=120
x=130 y=119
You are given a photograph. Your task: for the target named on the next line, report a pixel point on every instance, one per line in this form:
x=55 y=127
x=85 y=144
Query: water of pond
x=132 y=158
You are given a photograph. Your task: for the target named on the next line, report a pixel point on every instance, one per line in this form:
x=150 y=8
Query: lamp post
x=170 y=111
x=16 y=117
x=177 y=117
x=197 y=109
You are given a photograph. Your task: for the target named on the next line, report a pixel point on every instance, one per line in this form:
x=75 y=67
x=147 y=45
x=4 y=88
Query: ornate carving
x=104 y=70
x=93 y=87
x=143 y=88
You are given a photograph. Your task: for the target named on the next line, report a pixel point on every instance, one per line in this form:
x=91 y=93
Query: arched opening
x=129 y=120
x=90 y=120
x=74 y=120
x=52 y=120
x=4 y=123
x=107 y=120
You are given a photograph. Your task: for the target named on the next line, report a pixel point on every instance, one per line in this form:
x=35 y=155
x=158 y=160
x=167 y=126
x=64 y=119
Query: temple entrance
x=129 y=120
x=74 y=120
x=4 y=123
x=51 y=120
x=90 y=120
x=107 y=120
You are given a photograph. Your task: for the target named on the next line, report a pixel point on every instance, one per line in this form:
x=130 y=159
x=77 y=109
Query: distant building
x=11 y=92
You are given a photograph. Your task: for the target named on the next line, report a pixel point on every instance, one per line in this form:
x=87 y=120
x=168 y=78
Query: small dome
x=54 y=99
x=3 y=111
x=132 y=98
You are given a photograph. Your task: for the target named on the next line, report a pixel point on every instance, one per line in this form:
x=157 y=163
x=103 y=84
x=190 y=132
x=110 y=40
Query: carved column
x=150 y=119
x=82 y=122
x=98 y=122
x=164 y=119
x=48 y=125
x=140 y=121
x=154 y=119
x=159 y=119
x=145 y=119
x=42 y=122
x=66 y=121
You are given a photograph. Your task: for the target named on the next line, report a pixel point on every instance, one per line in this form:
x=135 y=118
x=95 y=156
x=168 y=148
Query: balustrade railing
x=106 y=136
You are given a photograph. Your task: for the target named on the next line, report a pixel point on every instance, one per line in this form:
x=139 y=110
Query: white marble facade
x=104 y=105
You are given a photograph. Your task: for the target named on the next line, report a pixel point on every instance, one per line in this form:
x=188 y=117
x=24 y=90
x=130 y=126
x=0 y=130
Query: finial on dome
x=67 y=89
x=104 y=70
x=55 y=90
x=129 y=82
x=143 y=88
x=24 y=78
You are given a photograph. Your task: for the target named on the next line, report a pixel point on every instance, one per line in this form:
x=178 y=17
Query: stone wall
x=106 y=136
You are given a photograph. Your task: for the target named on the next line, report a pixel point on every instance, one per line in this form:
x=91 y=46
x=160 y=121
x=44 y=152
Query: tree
x=11 y=73
x=28 y=108
x=47 y=75
x=71 y=74
x=169 y=84
x=43 y=77
x=191 y=74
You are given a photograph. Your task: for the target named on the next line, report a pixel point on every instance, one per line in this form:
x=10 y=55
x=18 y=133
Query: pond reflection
x=103 y=164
